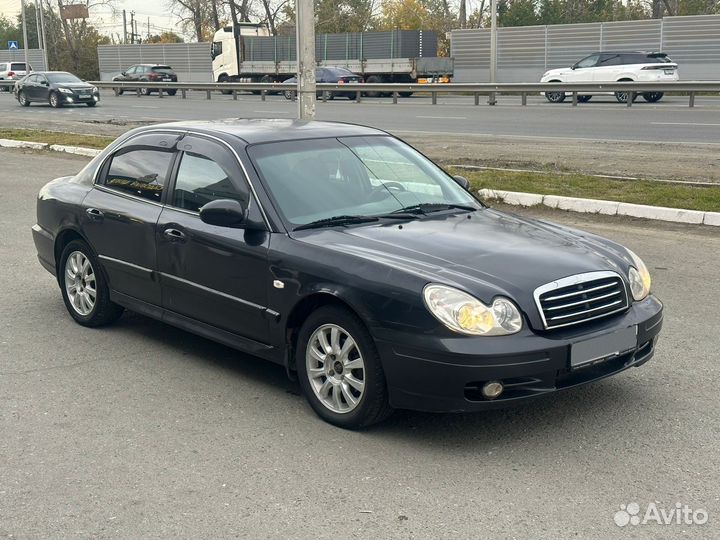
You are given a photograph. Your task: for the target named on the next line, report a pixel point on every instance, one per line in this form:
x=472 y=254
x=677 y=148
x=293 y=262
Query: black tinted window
x=17 y=66
x=609 y=60
x=201 y=180
x=142 y=173
x=635 y=59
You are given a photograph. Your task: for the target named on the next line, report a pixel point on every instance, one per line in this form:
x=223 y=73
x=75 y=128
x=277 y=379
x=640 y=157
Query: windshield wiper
x=426 y=208
x=336 y=220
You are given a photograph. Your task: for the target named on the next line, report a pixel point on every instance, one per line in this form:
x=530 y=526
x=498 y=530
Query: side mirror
x=223 y=213
x=573 y=67
x=462 y=182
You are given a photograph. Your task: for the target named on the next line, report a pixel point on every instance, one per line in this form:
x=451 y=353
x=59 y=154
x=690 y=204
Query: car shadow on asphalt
x=561 y=417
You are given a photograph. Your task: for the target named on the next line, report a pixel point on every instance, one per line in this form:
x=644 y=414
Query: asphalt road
x=142 y=430
x=603 y=119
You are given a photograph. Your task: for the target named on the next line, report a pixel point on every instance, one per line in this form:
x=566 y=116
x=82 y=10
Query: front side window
x=358 y=176
x=609 y=60
x=140 y=172
x=590 y=61
x=216 y=49
x=201 y=180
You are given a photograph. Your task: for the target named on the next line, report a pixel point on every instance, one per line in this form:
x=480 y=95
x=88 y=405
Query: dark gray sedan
x=58 y=88
x=346 y=256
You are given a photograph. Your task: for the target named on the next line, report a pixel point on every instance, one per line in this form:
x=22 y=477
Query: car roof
x=259 y=130
x=152 y=65
x=647 y=53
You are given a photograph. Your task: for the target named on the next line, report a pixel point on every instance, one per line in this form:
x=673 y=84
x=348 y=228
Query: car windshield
x=353 y=176
x=62 y=78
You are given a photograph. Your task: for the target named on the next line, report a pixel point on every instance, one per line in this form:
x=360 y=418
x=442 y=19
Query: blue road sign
x=13 y=45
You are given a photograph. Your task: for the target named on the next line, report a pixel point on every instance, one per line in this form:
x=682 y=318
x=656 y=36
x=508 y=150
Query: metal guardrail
x=491 y=90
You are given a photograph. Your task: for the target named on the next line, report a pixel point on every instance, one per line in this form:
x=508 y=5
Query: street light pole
x=305 y=31
x=493 y=48
x=25 y=38
x=39 y=7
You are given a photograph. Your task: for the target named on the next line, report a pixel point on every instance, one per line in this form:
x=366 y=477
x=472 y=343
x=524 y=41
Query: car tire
x=584 y=99
x=346 y=385
x=22 y=99
x=119 y=91
x=171 y=92
x=622 y=97
x=653 y=97
x=374 y=79
x=91 y=103
x=555 y=97
x=224 y=79
x=145 y=91
x=289 y=94
x=54 y=100
x=79 y=264
x=405 y=94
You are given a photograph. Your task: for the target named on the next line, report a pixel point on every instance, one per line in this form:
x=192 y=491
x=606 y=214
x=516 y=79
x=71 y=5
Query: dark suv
x=150 y=73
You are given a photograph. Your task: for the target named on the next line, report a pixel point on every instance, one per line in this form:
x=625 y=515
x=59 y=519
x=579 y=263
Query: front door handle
x=94 y=214
x=174 y=235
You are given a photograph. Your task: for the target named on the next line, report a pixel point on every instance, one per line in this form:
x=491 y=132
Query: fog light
x=492 y=389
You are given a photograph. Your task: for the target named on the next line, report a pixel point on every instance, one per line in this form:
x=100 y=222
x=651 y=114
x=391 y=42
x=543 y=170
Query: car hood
x=487 y=253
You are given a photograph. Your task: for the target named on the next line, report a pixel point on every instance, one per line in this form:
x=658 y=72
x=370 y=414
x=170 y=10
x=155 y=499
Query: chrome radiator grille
x=580 y=298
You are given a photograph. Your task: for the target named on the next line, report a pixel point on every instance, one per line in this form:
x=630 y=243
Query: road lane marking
x=145 y=107
x=683 y=124
x=443 y=117
x=272 y=112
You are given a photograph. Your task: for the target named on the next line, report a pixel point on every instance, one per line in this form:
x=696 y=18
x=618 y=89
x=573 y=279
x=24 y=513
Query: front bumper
x=429 y=373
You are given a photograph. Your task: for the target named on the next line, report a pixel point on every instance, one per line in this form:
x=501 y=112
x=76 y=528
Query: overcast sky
x=103 y=18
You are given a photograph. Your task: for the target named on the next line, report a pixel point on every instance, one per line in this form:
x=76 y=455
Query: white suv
x=12 y=71
x=615 y=66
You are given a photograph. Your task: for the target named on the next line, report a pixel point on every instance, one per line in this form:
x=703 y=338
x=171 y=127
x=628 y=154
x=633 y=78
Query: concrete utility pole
x=124 y=27
x=25 y=38
x=305 y=28
x=493 y=48
x=132 y=27
x=39 y=6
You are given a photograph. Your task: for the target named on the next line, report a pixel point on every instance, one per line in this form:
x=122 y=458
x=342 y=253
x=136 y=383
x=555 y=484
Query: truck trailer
x=397 y=56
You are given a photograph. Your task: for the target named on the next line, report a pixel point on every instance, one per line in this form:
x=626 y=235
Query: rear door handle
x=94 y=214
x=174 y=235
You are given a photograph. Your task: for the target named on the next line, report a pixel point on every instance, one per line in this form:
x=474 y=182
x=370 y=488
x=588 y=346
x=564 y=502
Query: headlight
x=639 y=277
x=94 y=89
x=65 y=90
x=465 y=314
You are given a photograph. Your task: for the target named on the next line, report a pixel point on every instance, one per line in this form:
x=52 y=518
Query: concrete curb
x=609 y=208
x=78 y=150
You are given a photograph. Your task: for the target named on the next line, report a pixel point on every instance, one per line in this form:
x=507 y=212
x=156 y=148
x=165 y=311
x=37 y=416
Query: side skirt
x=267 y=352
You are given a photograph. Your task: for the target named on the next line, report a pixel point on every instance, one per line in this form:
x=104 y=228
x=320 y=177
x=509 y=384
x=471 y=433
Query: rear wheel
x=623 y=97
x=555 y=97
x=171 y=92
x=374 y=79
x=405 y=94
x=289 y=94
x=339 y=369
x=22 y=99
x=145 y=91
x=84 y=289
x=91 y=103
x=119 y=91
x=653 y=97
x=55 y=100
x=584 y=99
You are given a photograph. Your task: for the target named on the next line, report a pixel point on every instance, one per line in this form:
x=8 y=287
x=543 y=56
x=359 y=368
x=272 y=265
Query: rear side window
x=610 y=60
x=17 y=66
x=636 y=59
x=161 y=69
x=140 y=172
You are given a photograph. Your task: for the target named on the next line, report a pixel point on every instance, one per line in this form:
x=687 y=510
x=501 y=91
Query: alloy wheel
x=80 y=283
x=335 y=368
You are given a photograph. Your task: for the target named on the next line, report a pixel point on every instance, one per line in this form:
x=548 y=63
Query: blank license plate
x=603 y=347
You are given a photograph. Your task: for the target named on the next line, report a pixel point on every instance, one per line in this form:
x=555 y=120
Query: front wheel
x=171 y=92
x=584 y=99
x=23 y=99
x=55 y=101
x=340 y=371
x=653 y=97
x=289 y=94
x=145 y=91
x=91 y=103
x=84 y=289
